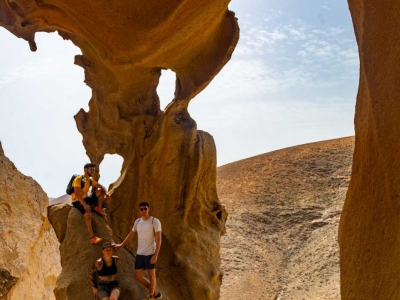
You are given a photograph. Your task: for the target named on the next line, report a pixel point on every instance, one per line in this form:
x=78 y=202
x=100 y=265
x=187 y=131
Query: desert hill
x=284 y=209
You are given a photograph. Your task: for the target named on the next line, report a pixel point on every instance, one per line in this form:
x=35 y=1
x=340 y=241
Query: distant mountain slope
x=284 y=209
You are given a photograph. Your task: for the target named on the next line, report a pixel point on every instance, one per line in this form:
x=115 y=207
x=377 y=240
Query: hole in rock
x=110 y=169
x=219 y=215
x=166 y=88
x=40 y=93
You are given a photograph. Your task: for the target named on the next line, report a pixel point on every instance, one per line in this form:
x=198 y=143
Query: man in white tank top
x=148 y=230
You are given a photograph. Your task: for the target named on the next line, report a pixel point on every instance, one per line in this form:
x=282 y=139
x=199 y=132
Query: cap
x=106 y=245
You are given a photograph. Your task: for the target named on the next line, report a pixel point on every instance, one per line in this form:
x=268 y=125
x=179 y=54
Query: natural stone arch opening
x=112 y=164
x=166 y=88
x=166 y=159
x=41 y=94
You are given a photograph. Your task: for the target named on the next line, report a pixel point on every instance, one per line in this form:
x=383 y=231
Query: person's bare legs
x=114 y=295
x=88 y=222
x=152 y=277
x=100 y=196
x=145 y=282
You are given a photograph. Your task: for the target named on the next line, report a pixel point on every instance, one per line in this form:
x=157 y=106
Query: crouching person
x=106 y=287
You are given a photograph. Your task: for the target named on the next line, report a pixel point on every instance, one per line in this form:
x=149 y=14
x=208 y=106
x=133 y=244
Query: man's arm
x=126 y=241
x=98 y=185
x=154 y=258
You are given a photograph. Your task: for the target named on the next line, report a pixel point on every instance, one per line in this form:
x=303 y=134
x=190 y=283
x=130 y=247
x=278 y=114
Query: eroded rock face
x=125 y=45
x=369 y=226
x=29 y=260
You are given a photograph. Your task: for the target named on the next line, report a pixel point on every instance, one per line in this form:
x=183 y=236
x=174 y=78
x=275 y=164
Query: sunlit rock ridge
x=29 y=260
x=167 y=161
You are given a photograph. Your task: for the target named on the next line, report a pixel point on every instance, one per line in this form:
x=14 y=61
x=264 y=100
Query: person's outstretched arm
x=126 y=240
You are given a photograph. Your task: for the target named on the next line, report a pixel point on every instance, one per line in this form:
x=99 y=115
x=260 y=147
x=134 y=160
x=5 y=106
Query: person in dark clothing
x=106 y=287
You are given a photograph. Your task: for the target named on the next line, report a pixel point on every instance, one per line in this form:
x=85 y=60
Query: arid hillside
x=284 y=209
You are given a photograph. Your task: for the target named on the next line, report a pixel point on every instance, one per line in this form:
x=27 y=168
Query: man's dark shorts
x=143 y=262
x=79 y=206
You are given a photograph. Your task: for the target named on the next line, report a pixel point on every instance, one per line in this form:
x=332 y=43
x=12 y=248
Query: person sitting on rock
x=82 y=202
x=149 y=244
x=106 y=287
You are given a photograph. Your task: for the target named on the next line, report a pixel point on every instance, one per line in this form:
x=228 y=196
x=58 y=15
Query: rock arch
x=167 y=161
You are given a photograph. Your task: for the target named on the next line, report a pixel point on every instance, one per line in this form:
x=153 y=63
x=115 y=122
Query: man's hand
x=87 y=208
x=95 y=292
x=154 y=258
x=117 y=246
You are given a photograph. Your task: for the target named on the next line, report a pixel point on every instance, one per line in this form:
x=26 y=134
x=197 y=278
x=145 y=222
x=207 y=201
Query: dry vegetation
x=284 y=209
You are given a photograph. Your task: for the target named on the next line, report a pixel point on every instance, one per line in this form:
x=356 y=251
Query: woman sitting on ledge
x=106 y=269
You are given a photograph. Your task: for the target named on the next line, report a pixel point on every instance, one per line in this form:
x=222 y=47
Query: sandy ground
x=284 y=209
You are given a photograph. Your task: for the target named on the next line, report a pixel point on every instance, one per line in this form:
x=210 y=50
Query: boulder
x=29 y=260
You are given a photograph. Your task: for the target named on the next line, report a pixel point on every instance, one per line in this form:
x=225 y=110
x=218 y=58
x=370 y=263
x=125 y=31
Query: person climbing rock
x=106 y=287
x=148 y=229
x=82 y=202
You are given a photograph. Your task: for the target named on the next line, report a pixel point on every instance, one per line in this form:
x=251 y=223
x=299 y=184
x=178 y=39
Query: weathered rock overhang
x=125 y=45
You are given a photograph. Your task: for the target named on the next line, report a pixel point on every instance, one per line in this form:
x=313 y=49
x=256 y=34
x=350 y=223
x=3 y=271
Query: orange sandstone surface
x=369 y=236
x=167 y=161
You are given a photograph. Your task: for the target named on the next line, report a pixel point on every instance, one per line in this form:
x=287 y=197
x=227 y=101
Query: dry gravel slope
x=284 y=209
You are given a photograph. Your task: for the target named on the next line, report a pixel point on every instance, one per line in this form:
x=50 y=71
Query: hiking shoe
x=100 y=211
x=158 y=296
x=95 y=239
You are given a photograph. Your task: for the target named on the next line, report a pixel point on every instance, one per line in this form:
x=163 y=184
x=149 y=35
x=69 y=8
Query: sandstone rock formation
x=125 y=45
x=284 y=209
x=29 y=260
x=369 y=227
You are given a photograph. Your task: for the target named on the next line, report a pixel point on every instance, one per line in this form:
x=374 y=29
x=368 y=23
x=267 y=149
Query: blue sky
x=292 y=79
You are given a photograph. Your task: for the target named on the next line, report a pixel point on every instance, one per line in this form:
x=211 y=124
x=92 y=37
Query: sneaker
x=149 y=297
x=94 y=239
x=100 y=211
x=158 y=296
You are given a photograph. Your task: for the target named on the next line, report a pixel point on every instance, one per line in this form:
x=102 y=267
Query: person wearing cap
x=82 y=202
x=106 y=288
x=149 y=243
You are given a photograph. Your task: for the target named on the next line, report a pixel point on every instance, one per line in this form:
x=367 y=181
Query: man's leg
x=153 y=281
x=100 y=196
x=96 y=201
x=88 y=222
x=143 y=280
